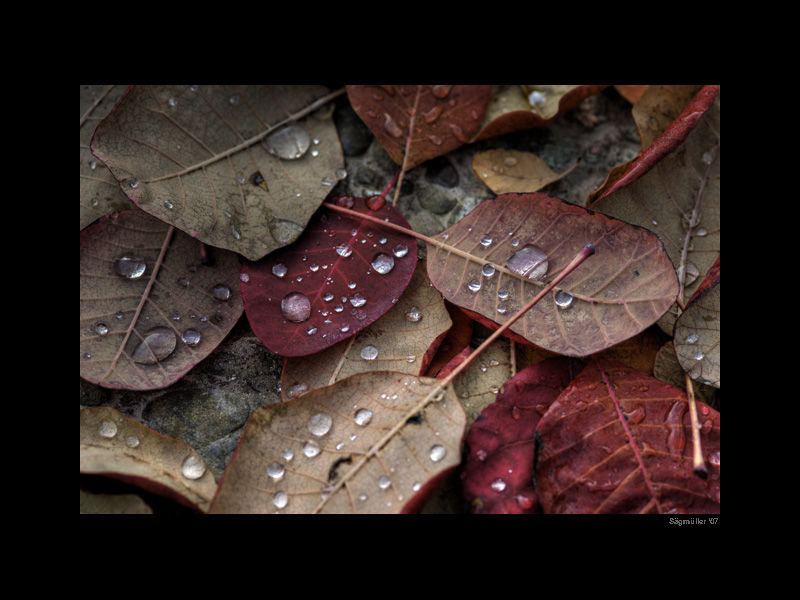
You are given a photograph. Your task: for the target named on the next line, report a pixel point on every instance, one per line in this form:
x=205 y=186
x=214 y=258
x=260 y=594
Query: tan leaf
x=514 y=171
x=668 y=369
x=400 y=338
x=119 y=447
x=697 y=337
x=113 y=504
x=366 y=444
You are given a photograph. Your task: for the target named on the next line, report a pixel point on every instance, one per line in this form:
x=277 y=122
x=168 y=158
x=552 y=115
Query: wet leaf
x=239 y=167
x=514 y=171
x=338 y=278
x=619 y=441
x=401 y=339
x=100 y=193
x=367 y=444
x=422 y=121
x=498 y=257
x=512 y=108
x=697 y=337
x=497 y=475
x=113 y=504
x=456 y=340
x=668 y=369
x=631 y=93
x=119 y=447
x=150 y=308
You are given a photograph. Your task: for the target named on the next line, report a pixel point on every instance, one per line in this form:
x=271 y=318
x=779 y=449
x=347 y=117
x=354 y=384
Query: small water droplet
x=276 y=471
x=699 y=355
x=193 y=467
x=157 y=345
x=297 y=390
x=383 y=263
x=133 y=182
x=221 y=292
x=320 y=424
x=101 y=328
x=498 y=485
x=132 y=441
x=536 y=99
x=168 y=204
x=474 y=285
x=344 y=250
x=414 y=314
x=563 y=299
x=287 y=454
x=130 y=267
x=358 y=300
x=296 y=307
x=285 y=231
x=486 y=239
x=400 y=250
x=701 y=232
x=391 y=126
x=107 y=429
x=369 y=353
x=279 y=270
x=280 y=499
x=384 y=482
x=438 y=452
x=311 y=449
x=692 y=339
x=311 y=330
x=363 y=417
x=529 y=261
x=244 y=277
x=488 y=270
x=441 y=91
x=234 y=99
x=191 y=337
x=352 y=285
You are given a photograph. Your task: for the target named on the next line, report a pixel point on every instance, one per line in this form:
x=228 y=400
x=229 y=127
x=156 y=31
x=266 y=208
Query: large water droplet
x=488 y=270
x=130 y=267
x=107 y=429
x=563 y=299
x=529 y=261
x=358 y=300
x=279 y=270
x=486 y=239
x=320 y=424
x=289 y=143
x=275 y=471
x=400 y=250
x=383 y=263
x=438 y=452
x=280 y=499
x=414 y=314
x=369 y=353
x=363 y=417
x=193 y=467
x=221 y=292
x=157 y=345
x=296 y=307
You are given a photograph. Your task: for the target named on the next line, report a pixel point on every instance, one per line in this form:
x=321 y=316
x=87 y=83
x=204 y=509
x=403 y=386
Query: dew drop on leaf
x=157 y=345
x=437 y=452
x=289 y=143
x=363 y=417
x=529 y=261
x=384 y=482
x=279 y=270
x=498 y=485
x=320 y=424
x=101 y=329
x=130 y=267
x=191 y=337
x=563 y=299
x=296 y=307
x=297 y=390
x=369 y=353
x=311 y=449
x=474 y=285
x=383 y=263
x=358 y=300
x=193 y=467
x=414 y=314
x=221 y=292
x=280 y=499
x=107 y=429
x=400 y=250
x=488 y=270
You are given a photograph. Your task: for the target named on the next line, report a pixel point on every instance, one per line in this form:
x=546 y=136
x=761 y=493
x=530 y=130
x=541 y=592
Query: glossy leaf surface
x=338 y=278
x=619 y=441
x=151 y=307
x=498 y=257
x=238 y=167
x=367 y=444
x=420 y=121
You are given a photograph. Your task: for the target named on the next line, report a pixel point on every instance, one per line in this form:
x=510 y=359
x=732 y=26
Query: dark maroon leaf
x=620 y=441
x=497 y=476
x=339 y=277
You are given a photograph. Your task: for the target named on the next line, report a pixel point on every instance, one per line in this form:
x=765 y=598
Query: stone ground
x=209 y=407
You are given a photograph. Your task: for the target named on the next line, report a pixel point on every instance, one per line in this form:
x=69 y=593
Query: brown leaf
x=119 y=447
x=487 y=263
x=150 y=308
x=400 y=338
x=415 y=123
x=514 y=171
x=697 y=337
x=668 y=369
x=367 y=444
x=239 y=167
x=619 y=441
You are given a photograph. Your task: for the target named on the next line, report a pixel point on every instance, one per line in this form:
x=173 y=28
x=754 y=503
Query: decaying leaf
x=514 y=171
x=239 y=167
x=119 y=447
x=151 y=306
x=497 y=258
x=619 y=441
x=367 y=444
x=697 y=337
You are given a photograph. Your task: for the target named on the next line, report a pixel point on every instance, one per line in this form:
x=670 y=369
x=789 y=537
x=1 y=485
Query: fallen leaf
x=505 y=171
x=668 y=369
x=497 y=258
x=415 y=123
x=497 y=474
x=619 y=441
x=239 y=167
x=631 y=93
x=697 y=337
x=113 y=504
x=398 y=341
x=338 y=278
x=367 y=444
x=457 y=338
x=116 y=446
x=151 y=309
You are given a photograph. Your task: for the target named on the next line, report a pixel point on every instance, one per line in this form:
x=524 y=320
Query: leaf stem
x=377 y=202
x=408 y=144
x=699 y=464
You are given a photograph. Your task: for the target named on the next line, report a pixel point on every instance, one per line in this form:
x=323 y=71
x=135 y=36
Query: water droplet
x=358 y=300
x=488 y=270
x=297 y=390
x=701 y=232
x=400 y=250
x=287 y=454
x=101 y=328
x=191 y=337
x=563 y=299
x=692 y=339
x=414 y=314
x=352 y=285
x=486 y=239
x=296 y=307
x=437 y=452
x=474 y=285
x=536 y=99
x=369 y=353
x=234 y=98
x=130 y=267
x=344 y=250
x=289 y=143
x=285 y=231
x=193 y=467
x=509 y=161
x=699 y=355
x=441 y=91
x=311 y=449
x=529 y=261
x=498 y=485
x=280 y=499
x=107 y=429
x=133 y=182
x=279 y=270
x=383 y=263
x=235 y=232
x=384 y=482
x=320 y=424
x=275 y=471
x=244 y=277
x=132 y=441
x=157 y=345
x=411 y=359
x=168 y=204
x=221 y=292
x=363 y=417
x=311 y=330
x=391 y=126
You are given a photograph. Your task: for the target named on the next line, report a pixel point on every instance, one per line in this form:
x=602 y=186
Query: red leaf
x=498 y=471
x=339 y=277
x=619 y=441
